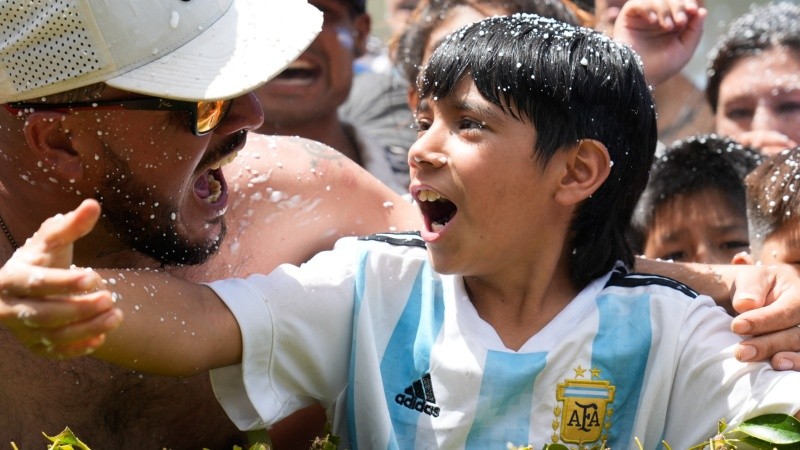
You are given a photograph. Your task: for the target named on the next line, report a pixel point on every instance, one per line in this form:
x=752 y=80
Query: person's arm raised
x=665 y=34
x=170 y=326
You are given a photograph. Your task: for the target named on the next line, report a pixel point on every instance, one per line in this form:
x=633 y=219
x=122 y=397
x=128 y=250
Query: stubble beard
x=130 y=214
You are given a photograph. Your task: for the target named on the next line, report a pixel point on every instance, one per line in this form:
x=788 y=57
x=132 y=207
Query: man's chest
x=106 y=406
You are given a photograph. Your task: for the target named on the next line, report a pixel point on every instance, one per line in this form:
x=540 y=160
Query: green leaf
x=556 y=447
x=780 y=429
x=66 y=440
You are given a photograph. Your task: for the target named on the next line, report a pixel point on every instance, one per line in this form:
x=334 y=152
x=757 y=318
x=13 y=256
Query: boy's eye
x=732 y=245
x=674 y=256
x=421 y=125
x=471 y=124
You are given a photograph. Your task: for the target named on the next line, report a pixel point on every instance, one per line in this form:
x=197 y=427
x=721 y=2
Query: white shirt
x=408 y=363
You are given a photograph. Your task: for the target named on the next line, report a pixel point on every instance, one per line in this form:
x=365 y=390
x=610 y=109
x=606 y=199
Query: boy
x=693 y=208
x=518 y=324
x=773 y=210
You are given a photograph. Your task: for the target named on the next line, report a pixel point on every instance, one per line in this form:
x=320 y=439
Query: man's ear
x=48 y=139
x=362 y=25
x=742 y=258
x=586 y=167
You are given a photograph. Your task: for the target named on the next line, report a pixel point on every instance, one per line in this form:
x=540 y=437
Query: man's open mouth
x=211 y=185
x=436 y=209
x=299 y=72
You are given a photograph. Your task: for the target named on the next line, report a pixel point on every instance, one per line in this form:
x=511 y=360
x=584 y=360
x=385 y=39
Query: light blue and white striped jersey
x=402 y=358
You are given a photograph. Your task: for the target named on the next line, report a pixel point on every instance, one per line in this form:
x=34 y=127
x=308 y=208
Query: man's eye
x=789 y=107
x=739 y=113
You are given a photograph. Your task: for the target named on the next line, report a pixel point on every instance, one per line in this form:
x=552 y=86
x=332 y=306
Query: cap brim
x=247 y=46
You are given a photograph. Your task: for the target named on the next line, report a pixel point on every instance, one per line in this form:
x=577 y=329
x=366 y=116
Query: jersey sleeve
x=711 y=385
x=296 y=326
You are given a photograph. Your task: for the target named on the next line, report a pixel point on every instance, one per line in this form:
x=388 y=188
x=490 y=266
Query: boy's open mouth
x=436 y=209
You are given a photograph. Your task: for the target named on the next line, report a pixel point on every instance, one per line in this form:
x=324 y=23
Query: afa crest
x=584 y=414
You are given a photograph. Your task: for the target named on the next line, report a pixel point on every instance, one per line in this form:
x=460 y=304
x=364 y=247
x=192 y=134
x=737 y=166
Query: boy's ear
x=742 y=258
x=44 y=131
x=586 y=167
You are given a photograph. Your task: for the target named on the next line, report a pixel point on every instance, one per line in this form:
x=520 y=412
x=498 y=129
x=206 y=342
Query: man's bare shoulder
x=291 y=198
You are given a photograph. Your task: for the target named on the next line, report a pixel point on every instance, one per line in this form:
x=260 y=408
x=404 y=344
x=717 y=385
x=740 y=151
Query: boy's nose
x=709 y=254
x=427 y=151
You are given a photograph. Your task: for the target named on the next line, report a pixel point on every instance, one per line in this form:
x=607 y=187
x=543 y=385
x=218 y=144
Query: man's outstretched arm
x=171 y=326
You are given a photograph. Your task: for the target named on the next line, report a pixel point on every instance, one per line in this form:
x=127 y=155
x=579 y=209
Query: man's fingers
x=72 y=350
x=64 y=229
x=778 y=289
x=777 y=346
x=752 y=288
x=786 y=361
x=32 y=281
x=771 y=318
x=55 y=312
x=65 y=339
x=51 y=245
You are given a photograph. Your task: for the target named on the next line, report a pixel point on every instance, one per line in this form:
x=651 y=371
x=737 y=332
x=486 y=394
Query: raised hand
x=54 y=309
x=665 y=34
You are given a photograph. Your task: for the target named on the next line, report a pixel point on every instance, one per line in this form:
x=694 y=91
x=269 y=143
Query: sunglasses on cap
x=204 y=115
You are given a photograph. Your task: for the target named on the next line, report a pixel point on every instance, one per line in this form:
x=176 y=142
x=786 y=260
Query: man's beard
x=129 y=214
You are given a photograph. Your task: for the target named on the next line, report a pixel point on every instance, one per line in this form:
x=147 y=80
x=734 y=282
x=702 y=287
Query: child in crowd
x=773 y=210
x=693 y=209
x=510 y=318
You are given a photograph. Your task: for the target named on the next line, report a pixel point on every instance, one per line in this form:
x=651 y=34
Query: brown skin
x=111 y=407
x=306 y=105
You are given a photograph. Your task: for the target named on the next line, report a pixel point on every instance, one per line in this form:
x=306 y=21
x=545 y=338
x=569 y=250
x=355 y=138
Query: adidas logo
x=419 y=397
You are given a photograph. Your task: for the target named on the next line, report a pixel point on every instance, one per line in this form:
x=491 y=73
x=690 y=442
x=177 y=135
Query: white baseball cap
x=179 y=49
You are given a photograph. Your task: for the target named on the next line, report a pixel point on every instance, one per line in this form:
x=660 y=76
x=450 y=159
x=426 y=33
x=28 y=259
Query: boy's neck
x=518 y=312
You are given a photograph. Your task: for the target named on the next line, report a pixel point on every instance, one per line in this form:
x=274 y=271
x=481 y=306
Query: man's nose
x=245 y=114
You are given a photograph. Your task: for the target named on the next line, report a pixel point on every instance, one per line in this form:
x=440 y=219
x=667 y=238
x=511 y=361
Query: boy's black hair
x=572 y=83
x=772 y=196
x=762 y=28
x=691 y=166
x=410 y=45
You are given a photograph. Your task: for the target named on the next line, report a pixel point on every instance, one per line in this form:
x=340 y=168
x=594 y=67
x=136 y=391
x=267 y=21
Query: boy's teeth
x=436 y=226
x=427 y=195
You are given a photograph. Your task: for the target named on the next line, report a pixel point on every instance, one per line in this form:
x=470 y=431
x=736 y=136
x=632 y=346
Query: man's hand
x=55 y=310
x=665 y=34
x=768 y=300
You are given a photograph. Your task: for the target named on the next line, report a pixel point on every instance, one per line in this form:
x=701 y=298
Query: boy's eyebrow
x=468 y=106
x=462 y=105
x=672 y=235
